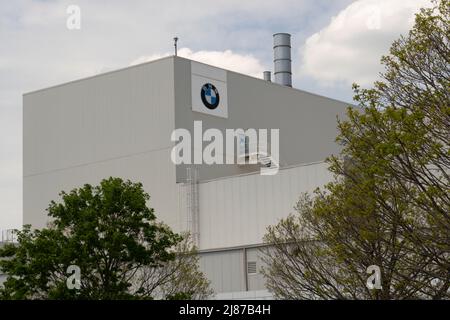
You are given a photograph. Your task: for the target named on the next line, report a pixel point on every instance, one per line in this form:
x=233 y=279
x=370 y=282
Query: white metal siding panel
x=104 y=117
x=307 y=122
x=225 y=270
x=115 y=124
x=152 y=169
x=256 y=281
x=236 y=211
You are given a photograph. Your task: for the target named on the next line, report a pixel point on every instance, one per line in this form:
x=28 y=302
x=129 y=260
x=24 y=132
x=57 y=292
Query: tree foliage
x=110 y=234
x=389 y=202
x=176 y=279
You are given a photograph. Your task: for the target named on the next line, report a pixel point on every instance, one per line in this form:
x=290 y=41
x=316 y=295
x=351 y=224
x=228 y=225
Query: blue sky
x=334 y=43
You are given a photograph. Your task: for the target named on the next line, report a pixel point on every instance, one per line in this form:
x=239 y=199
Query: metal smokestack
x=282 y=59
x=267 y=76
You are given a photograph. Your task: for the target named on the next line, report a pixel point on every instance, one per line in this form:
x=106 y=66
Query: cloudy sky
x=335 y=43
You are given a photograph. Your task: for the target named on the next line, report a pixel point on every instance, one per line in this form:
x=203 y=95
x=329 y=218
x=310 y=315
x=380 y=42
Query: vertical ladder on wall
x=192 y=203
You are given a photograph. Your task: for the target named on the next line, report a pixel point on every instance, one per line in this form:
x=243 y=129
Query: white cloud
x=349 y=49
x=242 y=63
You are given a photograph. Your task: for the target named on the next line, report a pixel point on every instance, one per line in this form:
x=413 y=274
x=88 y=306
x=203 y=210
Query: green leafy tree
x=108 y=232
x=389 y=203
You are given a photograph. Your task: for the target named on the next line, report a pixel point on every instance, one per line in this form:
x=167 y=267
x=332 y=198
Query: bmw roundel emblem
x=210 y=96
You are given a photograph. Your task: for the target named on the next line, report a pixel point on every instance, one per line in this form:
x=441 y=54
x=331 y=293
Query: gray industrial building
x=120 y=124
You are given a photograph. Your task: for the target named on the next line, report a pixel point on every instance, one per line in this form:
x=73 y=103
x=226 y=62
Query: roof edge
x=97 y=75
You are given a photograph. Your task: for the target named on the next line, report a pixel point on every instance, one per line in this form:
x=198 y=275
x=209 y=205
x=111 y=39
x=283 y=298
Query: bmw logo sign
x=210 y=96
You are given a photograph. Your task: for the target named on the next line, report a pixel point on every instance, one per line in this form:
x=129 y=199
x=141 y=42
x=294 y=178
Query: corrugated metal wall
x=229 y=270
x=236 y=211
x=115 y=124
x=224 y=269
x=307 y=122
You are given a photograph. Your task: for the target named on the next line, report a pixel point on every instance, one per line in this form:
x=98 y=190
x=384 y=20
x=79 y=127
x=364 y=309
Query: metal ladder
x=192 y=204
